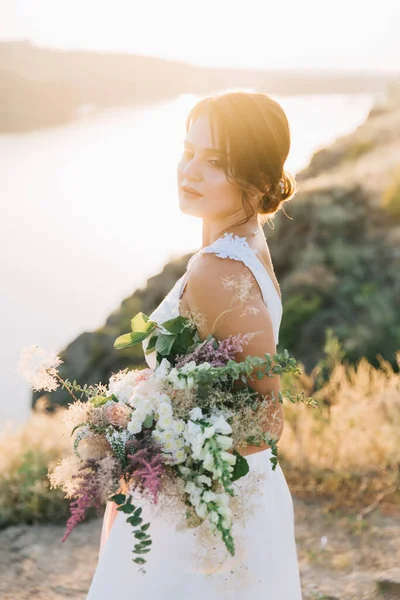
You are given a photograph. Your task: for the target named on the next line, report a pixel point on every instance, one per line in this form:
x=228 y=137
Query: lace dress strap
x=237 y=248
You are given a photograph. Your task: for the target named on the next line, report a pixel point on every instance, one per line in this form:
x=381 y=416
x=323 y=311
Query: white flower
x=195 y=414
x=204 y=479
x=165 y=422
x=203 y=366
x=180 y=456
x=217 y=473
x=167 y=435
x=223 y=441
x=201 y=510
x=188 y=367
x=208 y=462
x=228 y=457
x=142 y=403
x=209 y=432
x=39 y=367
x=158 y=436
x=121 y=384
x=209 y=496
x=177 y=382
x=169 y=445
x=178 y=426
x=185 y=470
x=135 y=426
x=162 y=371
x=190 y=382
x=164 y=409
x=214 y=517
x=224 y=512
x=220 y=425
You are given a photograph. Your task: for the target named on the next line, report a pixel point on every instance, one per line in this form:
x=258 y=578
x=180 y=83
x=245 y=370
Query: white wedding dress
x=192 y=563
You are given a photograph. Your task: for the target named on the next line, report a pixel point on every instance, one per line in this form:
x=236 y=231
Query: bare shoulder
x=226 y=295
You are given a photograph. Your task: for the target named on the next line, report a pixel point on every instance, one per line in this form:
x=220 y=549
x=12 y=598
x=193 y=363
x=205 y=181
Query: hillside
x=337 y=258
x=44 y=87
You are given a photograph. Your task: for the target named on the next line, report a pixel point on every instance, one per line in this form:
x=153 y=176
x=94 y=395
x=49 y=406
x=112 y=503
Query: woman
x=231 y=176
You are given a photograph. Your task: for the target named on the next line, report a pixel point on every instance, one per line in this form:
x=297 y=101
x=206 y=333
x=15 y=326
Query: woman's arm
x=243 y=311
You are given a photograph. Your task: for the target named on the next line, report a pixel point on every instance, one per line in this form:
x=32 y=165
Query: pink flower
x=118 y=414
x=143 y=374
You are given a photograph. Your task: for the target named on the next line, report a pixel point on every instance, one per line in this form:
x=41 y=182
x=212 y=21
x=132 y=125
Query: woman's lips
x=191 y=194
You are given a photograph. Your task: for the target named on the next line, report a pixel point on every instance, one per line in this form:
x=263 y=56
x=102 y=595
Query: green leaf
x=152 y=344
x=118 y=498
x=134 y=521
x=145 y=527
x=143 y=551
x=137 y=512
x=175 y=325
x=240 y=468
x=139 y=560
x=164 y=343
x=98 y=401
x=141 y=535
x=148 y=422
x=130 y=339
x=141 y=324
x=126 y=508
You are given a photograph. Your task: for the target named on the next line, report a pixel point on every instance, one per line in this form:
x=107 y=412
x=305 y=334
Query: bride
x=231 y=176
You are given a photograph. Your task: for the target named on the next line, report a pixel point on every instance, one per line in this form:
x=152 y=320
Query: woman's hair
x=254 y=141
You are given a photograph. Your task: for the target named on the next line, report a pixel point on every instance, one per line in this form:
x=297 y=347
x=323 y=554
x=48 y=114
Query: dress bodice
x=227 y=246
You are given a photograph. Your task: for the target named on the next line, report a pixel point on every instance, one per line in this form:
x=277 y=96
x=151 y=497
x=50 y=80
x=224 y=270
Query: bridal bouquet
x=177 y=425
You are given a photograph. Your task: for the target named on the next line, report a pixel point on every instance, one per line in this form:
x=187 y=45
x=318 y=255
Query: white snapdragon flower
x=196 y=414
x=185 y=470
x=223 y=441
x=201 y=510
x=188 y=367
x=177 y=382
x=162 y=371
x=203 y=366
x=220 y=424
x=204 y=479
x=209 y=496
x=208 y=462
x=209 y=432
x=228 y=457
x=190 y=382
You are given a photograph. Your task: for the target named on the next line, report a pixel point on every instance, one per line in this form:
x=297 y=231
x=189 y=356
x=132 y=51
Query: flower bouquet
x=177 y=426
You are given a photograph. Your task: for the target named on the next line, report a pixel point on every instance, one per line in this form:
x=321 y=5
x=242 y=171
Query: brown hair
x=254 y=141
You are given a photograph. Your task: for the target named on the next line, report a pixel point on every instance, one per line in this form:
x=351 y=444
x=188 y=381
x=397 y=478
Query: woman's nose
x=191 y=171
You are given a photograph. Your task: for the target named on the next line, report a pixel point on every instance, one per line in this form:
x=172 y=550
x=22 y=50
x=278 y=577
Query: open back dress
x=192 y=564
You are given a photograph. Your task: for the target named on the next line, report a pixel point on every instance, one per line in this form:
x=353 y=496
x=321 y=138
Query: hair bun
x=283 y=191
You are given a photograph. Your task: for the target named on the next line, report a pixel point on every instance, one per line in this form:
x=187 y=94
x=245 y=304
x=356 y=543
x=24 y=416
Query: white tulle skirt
x=193 y=563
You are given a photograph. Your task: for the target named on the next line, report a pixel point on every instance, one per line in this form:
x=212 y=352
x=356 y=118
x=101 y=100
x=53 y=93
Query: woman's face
x=201 y=170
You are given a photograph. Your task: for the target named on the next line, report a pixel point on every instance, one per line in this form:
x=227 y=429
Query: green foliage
x=298 y=309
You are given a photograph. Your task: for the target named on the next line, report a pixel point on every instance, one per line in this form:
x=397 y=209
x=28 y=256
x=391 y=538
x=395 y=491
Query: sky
x=284 y=34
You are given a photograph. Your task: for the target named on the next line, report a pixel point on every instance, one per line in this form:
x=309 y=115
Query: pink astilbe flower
x=217 y=357
x=90 y=491
x=147 y=468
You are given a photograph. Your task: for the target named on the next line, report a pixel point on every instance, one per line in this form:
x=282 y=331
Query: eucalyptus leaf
x=164 y=343
x=240 y=468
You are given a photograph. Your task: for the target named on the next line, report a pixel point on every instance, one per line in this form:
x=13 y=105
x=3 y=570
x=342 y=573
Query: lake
x=90 y=211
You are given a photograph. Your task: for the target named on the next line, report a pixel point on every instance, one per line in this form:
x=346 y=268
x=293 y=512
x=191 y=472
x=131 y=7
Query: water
x=90 y=211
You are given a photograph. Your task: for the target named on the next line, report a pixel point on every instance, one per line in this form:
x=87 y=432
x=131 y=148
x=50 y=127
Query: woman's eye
x=187 y=154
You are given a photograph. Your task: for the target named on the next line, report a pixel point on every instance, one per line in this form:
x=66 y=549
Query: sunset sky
x=345 y=34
